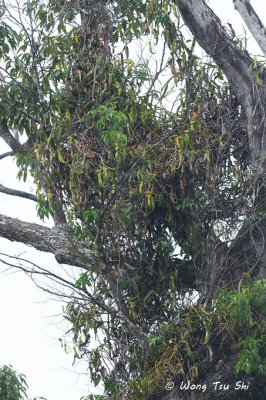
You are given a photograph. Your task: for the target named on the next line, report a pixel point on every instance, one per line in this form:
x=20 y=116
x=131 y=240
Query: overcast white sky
x=30 y=322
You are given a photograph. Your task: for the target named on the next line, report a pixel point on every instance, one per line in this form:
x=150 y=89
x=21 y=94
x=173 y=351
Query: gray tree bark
x=237 y=66
x=253 y=22
x=18 y=193
x=66 y=249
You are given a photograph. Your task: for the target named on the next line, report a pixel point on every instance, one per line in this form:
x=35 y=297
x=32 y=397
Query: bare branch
x=7 y=136
x=135 y=330
x=7 y=154
x=19 y=193
x=27 y=145
x=68 y=250
x=253 y=22
x=32 y=269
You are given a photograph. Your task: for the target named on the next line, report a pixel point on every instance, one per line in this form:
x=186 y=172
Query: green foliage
x=239 y=306
x=242 y=312
x=191 y=339
x=111 y=123
x=252 y=354
x=43 y=208
x=13 y=385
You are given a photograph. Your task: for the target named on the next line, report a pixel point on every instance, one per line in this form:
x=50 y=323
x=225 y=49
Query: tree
x=12 y=385
x=162 y=209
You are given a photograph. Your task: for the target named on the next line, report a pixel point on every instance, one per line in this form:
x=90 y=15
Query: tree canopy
x=151 y=161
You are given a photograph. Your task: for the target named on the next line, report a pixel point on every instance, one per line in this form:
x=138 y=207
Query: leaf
x=172 y=282
x=60 y=156
x=258 y=80
x=49 y=139
x=76 y=38
x=150 y=48
x=99 y=176
x=207 y=337
x=149 y=294
x=189 y=352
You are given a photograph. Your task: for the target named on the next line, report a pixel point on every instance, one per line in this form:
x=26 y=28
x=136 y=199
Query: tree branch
x=32 y=269
x=248 y=252
x=135 y=330
x=59 y=216
x=237 y=66
x=19 y=193
x=253 y=22
x=7 y=154
x=66 y=249
x=213 y=38
x=7 y=136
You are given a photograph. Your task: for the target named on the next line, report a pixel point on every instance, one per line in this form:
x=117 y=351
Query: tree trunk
x=237 y=66
x=216 y=380
x=250 y=90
